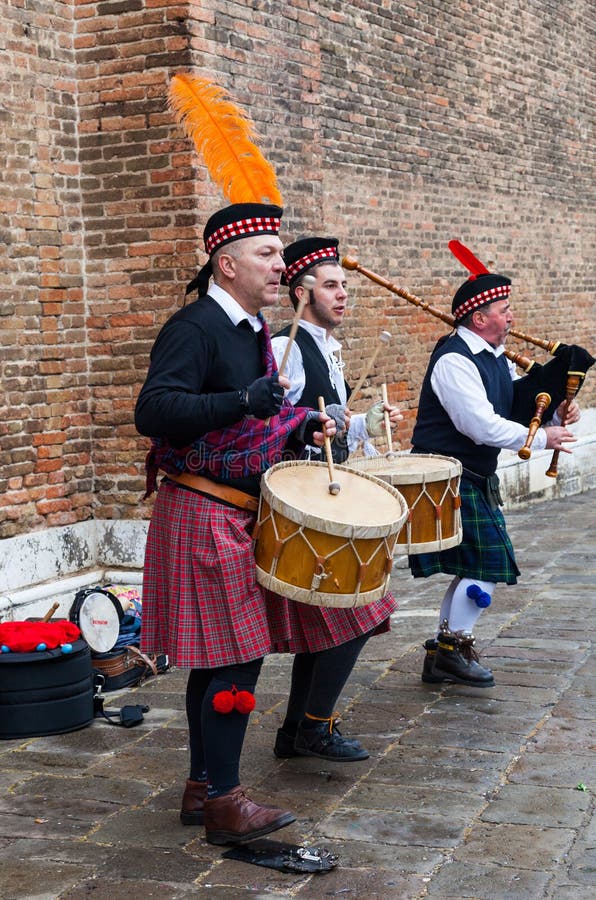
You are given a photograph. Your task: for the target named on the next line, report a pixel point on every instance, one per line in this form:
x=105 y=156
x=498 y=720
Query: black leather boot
x=457 y=660
x=284 y=745
x=428 y=674
x=325 y=741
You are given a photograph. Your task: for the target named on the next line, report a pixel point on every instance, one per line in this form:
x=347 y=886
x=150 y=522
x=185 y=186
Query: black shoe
x=457 y=660
x=284 y=745
x=324 y=740
x=429 y=676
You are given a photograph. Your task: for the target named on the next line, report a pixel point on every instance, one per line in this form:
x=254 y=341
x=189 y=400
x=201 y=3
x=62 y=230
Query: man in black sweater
x=214 y=408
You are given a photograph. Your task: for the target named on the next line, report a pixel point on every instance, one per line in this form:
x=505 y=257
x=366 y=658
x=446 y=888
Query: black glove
x=311 y=423
x=265 y=396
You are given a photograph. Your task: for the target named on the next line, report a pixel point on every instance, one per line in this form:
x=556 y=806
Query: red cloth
x=302 y=628
x=24 y=637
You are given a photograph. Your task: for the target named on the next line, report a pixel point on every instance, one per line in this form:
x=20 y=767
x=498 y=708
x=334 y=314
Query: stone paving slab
x=553 y=769
x=467 y=793
x=526 y=804
x=520 y=846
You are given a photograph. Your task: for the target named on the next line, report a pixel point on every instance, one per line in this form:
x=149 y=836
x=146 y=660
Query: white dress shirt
x=330 y=350
x=232 y=308
x=468 y=407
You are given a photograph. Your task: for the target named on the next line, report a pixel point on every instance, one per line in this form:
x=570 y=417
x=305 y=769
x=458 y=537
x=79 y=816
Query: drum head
x=409 y=468
x=98 y=615
x=364 y=507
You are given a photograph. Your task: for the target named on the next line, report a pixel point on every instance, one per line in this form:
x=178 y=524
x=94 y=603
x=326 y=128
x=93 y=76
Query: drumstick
x=50 y=612
x=386 y=418
x=384 y=338
x=334 y=487
x=308 y=283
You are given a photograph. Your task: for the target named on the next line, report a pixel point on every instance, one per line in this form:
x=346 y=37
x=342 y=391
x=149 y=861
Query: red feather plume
x=467 y=258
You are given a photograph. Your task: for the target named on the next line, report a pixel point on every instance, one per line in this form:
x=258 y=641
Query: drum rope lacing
x=438 y=507
x=320 y=576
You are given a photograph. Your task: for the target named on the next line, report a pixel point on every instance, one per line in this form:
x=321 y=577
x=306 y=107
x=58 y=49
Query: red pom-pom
x=223 y=702
x=244 y=702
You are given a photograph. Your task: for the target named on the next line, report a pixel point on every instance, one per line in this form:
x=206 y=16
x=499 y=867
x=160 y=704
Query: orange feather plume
x=222 y=134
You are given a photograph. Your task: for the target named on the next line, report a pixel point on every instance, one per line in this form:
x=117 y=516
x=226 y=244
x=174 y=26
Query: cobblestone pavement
x=467 y=793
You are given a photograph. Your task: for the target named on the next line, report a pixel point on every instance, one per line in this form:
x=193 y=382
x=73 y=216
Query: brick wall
x=393 y=126
x=46 y=472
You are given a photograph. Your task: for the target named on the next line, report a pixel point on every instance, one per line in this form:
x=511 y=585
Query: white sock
x=464 y=611
x=445 y=610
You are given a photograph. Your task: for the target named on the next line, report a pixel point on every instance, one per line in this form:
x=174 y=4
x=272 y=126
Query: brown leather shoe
x=193 y=802
x=234 y=819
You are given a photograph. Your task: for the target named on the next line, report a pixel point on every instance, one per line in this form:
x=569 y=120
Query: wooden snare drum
x=430 y=485
x=326 y=549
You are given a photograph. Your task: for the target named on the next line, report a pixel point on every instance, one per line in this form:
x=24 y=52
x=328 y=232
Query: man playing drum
x=464 y=412
x=213 y=406
x=326 y=641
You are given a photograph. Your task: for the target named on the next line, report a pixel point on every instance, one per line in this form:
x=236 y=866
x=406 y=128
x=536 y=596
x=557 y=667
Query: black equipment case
x=45 y=692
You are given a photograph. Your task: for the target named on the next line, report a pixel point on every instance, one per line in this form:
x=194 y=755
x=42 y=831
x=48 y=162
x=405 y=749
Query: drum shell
x=45 y=692
x=429 y=483
x=311 y=558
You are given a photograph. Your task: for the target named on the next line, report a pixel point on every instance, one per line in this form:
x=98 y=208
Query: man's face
x=494 y=322
x=329 y=295
x=254 y=268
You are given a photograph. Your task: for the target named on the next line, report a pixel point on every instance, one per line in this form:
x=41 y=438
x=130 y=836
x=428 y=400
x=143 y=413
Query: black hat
x=300 y=256
x=477 y=291
x=481 y=288
x=240 y=220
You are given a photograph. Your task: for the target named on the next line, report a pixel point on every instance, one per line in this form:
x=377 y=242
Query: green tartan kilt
x=486 y=551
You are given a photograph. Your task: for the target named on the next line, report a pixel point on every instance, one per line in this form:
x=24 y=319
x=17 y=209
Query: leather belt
x=218 y=491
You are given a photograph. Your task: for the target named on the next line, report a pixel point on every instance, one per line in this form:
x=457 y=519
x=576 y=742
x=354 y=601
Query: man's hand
x=557 y=436
x=573 y=413
x=395 y=416
x=375 y=418
x=329 y=429
x=337 y=412
x=265 y=395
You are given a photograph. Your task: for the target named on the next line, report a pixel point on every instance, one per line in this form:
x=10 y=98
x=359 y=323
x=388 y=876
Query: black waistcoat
x=434 y=431
x=318 y=382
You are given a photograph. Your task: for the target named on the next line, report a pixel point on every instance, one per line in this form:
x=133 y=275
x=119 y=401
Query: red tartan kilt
x=302 y=628
x=201 y=602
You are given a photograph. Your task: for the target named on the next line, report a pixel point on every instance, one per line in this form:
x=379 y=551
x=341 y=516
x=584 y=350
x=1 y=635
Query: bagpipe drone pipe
x=569 y=362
